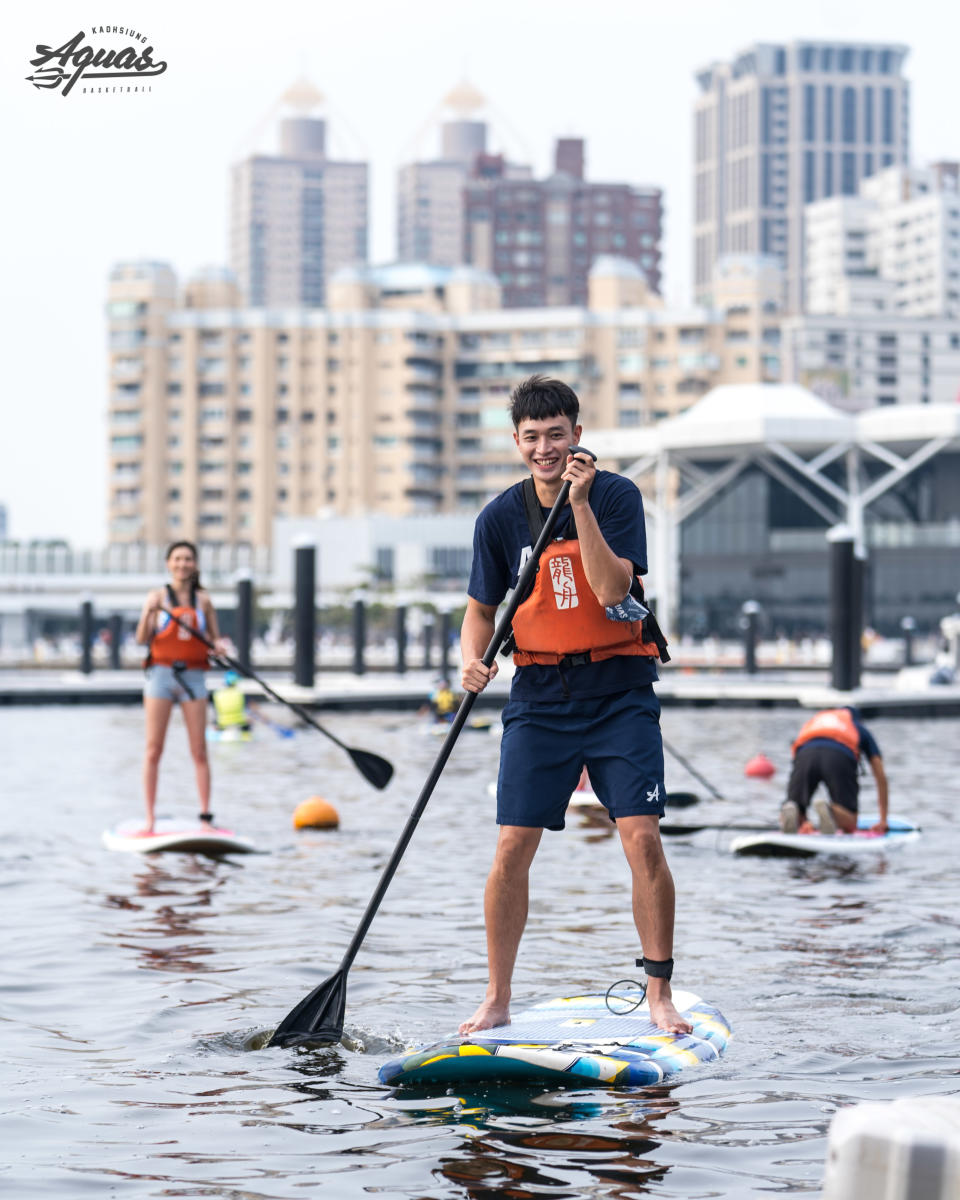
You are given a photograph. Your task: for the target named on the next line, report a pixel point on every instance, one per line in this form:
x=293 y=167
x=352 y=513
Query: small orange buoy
x=759 y=767
x=315 y=813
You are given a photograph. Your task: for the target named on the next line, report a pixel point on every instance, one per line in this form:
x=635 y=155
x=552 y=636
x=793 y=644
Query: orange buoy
x=759 y=767
x=315 y=813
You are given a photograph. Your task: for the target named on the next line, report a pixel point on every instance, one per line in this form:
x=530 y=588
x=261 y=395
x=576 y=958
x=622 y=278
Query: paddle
x=372 y=767
x=692 y=770
x=675 y=829
x=319 y=1016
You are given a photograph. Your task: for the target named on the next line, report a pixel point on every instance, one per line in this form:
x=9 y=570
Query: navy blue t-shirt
x=502 y=543
x=868 y=743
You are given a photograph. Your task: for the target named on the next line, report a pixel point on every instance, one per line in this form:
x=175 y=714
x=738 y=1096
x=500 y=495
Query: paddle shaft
x=242 y=670
x=693 y=771
x=500 y=633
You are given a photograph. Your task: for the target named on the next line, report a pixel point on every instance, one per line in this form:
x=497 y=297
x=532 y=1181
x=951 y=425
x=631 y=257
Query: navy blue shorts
x=545 y=746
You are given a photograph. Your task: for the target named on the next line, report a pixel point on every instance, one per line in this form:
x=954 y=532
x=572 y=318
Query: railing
x=217 y=562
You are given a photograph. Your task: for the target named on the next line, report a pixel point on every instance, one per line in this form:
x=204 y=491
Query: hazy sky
x=94 y=179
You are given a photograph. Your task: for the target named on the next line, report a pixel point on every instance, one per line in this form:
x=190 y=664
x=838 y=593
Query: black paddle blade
x=681 y=799
x=372 y=767
x=318 y=1017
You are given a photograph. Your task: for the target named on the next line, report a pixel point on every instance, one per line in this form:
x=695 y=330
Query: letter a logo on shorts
x=654 y=796
x=564 y=584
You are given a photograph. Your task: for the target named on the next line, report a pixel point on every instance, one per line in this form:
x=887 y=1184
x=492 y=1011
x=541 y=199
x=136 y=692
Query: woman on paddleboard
x=175 y=667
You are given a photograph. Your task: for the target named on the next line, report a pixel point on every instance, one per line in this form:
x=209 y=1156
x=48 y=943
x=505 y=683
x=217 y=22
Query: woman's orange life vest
x=833 y=723
x=562 y=616
x=175 y=646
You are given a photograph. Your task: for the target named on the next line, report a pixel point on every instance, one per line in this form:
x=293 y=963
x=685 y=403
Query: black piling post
x=445 y=644
x=243 y=630
x=86 y=637
x=751 y=612
x=305 y=616
x=842 y=585
x=857 y=589
x=359 y=636
x=428 y=631
x=401 y=633
x=908 y=625
x=116 y=640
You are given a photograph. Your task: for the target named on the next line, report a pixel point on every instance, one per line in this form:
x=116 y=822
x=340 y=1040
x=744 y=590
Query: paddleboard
x=575 y=1041
x=177 y=836
x=440 y=728
x=232 y=734
x=804 y=845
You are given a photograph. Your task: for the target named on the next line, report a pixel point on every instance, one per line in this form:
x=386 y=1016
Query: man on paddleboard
x=585 y=650
x=828 y=750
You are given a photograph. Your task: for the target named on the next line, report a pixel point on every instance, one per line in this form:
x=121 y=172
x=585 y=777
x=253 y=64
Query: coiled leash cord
x=654 y=968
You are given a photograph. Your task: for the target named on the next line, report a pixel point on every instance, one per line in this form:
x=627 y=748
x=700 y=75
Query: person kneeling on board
x=828 y=750
x=585 y=648
x=230 y=705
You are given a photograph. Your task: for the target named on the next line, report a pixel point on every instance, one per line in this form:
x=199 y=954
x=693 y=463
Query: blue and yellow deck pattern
x=575 y=1040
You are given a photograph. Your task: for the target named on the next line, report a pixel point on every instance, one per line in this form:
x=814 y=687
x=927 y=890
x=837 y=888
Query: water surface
x=133 y=989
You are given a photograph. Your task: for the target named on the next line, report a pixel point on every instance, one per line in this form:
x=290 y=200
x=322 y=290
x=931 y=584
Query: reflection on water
x=138 y=995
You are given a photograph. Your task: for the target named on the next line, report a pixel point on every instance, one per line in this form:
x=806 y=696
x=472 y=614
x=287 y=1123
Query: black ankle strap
x=208 y=817
x=657 y=968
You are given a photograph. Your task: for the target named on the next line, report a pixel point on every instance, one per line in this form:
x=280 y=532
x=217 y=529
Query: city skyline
x=107 y=178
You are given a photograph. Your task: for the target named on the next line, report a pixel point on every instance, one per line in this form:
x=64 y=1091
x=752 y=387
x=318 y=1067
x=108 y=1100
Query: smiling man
x=585 y=650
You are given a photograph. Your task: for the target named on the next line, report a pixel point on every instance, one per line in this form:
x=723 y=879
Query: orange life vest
x=562 y=616
x=833 y=723
x=175 y=646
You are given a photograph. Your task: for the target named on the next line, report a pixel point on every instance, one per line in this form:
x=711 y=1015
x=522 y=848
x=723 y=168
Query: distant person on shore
x=828 y=750
x=585 y=650
x=175 y=666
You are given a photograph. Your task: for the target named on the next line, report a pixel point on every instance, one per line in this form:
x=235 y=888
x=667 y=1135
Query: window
x=887 y=117
x=868 y=115
x=809 y=112
x=848 y=115
x=828 y=113
x=848 y=173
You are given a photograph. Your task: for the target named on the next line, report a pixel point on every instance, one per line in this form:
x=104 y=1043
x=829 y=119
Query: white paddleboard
x=574 y=1041
x=176 y=836
x=774 y=844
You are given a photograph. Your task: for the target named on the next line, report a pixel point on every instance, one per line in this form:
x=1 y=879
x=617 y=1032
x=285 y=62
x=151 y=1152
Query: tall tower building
x=780 y=126
x=430 y=194
x=296 y=217
x=541 y=237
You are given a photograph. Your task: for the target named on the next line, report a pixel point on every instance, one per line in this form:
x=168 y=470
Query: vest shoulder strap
x=535 y=518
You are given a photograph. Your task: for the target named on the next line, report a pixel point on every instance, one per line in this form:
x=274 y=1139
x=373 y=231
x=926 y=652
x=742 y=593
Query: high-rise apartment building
x=430 y=197
x=780 y=126
x=541 y=237
x=393 y=398
x=895 y=247
x=296 y=218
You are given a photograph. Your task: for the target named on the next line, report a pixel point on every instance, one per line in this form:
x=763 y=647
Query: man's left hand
x=880 y=827
x=581 y=471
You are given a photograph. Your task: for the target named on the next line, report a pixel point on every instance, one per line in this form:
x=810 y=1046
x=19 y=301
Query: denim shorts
x=545 y=746
x=163 y=684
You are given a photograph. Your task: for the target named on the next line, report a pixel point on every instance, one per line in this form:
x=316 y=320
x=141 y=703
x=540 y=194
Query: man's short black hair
x=537 y=398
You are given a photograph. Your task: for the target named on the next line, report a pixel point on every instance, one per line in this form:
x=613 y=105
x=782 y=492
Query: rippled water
x=133 y=989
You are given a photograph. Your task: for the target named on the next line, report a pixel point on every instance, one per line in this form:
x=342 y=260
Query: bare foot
x=665 y=1016
x=489 y=1014
x=806 y=827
